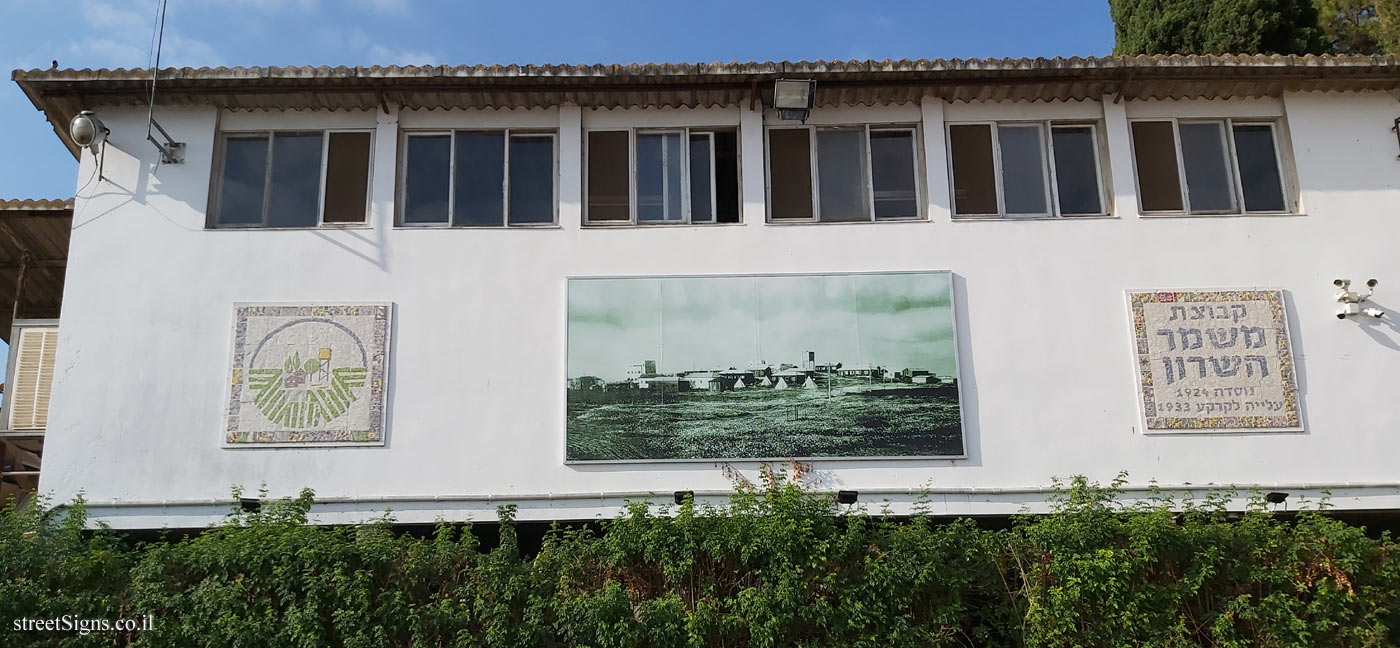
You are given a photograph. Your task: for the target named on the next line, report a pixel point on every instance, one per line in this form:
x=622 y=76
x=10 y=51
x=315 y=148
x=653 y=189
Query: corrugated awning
x=33 y=258
x=62 y=93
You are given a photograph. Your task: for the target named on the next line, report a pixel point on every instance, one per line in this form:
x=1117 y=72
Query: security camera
x=1374 y=312
x=1371 y=283
x=1341 y=283
x=1341 y=314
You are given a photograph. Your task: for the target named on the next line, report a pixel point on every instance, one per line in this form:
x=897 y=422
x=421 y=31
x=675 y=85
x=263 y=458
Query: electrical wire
x=153 y=59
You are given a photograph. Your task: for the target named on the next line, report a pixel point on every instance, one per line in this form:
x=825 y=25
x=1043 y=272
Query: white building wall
x=476 y=411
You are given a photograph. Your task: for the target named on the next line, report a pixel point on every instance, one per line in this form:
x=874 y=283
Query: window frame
x=632 y=204
x=867 y=171
x=401 y=176
x=1286 y=185
x=216 y=185
x=1050 y=173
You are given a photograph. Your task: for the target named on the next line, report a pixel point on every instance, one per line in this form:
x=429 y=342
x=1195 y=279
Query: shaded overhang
x=33 y=257
x=62 y=93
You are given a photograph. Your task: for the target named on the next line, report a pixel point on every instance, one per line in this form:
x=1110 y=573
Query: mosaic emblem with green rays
x=302 y=395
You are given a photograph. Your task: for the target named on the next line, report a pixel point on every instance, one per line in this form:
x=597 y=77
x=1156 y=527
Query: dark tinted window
x=892 y=174
x=974 y=169
x=531 y=180
x=347 y=178
x=727 y=176
x=701 y=206
x=1259 y=174
x=659 y=163
x=790 y=173
x=841 y=175
x=1154 y=153
x=1076 y=170
x=1022 y=169
x=294 y=197
x=1208 y=183
x=427 y=178
x=244 y=180
x=479 y=194
x=608 y=176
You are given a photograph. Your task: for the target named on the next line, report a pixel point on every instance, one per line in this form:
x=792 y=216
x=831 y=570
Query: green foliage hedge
x=776 y=566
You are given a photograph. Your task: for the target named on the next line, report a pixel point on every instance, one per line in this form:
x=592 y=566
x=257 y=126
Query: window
x=478 y=178
x=31 y=370
x=1209 y=166
x=293 y=179
x=1026 y=170
x=843 y=174
x=672 y=176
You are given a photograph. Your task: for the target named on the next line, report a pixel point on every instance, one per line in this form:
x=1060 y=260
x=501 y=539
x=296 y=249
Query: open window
x=662 y=176
x=1209 y=166
x=292 y=179
x=835 y=174
x=478 y=178
x=1026 y=170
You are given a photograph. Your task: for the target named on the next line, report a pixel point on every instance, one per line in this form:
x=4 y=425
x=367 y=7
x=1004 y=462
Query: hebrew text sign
x=1214 y=361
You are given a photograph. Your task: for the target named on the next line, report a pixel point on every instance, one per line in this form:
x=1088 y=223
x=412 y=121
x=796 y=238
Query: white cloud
x=125 y=41
x=337 y=39
x=267 y=6
x=382 y=55
x=385 y=6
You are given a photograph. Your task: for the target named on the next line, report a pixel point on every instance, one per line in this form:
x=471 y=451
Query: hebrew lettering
x=1214 y=360
x=1223 y=338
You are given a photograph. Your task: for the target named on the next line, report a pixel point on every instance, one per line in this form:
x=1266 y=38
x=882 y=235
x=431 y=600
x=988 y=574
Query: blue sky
x=117 y=33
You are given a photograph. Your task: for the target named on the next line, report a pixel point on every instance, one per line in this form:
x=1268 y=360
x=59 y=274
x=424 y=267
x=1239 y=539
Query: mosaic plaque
x=307 y=375
x=1214 y=361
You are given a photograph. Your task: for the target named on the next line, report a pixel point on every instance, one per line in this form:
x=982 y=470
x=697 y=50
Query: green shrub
x=774 y=566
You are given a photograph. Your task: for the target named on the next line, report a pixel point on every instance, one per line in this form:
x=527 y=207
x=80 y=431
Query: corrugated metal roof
x=33 y=234
x=61 y=93
x=32 y=204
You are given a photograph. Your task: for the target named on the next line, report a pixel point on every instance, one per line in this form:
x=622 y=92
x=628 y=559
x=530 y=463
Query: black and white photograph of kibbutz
x=860 y=365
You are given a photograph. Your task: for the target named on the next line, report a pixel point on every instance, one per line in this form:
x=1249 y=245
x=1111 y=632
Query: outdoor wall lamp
x=87 y=130
x=1351 y=301
x=794 y=98
x=684 y=496
x=847 y=496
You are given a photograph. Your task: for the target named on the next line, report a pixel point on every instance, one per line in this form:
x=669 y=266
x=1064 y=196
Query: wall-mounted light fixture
x=684 y=496
x=847 y=496
x=90 y=133
x=794 y=98
x=1351 y=300
x=87 y=130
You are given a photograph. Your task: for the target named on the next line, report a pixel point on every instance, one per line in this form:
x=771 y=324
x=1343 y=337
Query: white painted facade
x=476 y=392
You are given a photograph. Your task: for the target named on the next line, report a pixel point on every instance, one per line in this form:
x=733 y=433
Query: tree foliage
x=775 y=566
x=1216 y=27
x=1360 y=26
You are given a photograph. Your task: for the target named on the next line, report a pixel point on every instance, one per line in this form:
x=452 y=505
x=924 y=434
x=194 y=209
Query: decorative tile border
x=1203 y=362
x=308 y=374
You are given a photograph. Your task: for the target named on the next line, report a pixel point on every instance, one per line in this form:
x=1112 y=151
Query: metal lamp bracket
x=1396 y=127
x=171 y=151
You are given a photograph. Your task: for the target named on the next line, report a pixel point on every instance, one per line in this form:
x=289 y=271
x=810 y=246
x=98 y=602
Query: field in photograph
x=762 y=423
